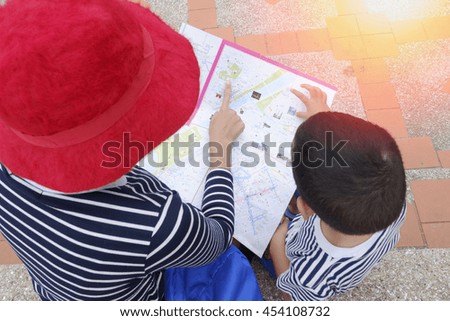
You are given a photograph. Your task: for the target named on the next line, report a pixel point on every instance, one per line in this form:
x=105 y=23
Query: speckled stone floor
x=404 y=274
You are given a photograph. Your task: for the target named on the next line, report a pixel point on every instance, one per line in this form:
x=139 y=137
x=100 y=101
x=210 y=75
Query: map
x=263 y=182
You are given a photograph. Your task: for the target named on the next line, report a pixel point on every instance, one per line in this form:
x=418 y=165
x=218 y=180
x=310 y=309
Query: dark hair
x=349 y=171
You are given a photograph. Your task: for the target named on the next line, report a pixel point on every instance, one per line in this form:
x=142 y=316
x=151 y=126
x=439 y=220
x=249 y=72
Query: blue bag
x=229 y=278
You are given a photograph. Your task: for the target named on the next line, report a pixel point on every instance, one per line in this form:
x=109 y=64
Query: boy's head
x=349 y=171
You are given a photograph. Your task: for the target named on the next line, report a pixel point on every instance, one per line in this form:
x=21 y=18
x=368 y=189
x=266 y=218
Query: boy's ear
x=304 y=208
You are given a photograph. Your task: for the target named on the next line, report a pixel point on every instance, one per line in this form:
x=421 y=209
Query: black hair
x=349 y=171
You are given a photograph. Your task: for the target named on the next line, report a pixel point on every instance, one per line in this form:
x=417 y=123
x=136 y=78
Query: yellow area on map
x=263 y=104
x=166 y=152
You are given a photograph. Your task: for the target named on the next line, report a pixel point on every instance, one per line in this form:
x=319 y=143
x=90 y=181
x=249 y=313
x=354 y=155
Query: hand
x=314 y=105
x=225 y=127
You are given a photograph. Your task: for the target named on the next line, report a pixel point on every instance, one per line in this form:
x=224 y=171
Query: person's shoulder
x=401 y=218
x=392 y=232
x=143 y=185
x=298 y=230
x=149 y=183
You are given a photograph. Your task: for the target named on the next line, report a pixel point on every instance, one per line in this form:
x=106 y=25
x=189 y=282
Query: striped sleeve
x=187 y=236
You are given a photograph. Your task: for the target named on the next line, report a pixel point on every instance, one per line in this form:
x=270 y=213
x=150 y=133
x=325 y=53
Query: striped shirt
x=113 y=243
x=319 y=270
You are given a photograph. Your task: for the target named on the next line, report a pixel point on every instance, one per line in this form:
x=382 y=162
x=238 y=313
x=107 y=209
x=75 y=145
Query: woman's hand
x=225 y=127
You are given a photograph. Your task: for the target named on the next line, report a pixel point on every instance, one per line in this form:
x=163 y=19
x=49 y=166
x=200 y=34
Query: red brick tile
x=274 y=44
x=372 y=23
x=437 y=235
x=390 y=119
x=313 y=40
x=418 y=152
x=437 y=27
x=201 y=4
x=342 y=26
x=253 y=42
x=411 y=231
x=378 y=96
x=444 y=158
x=289 y=42
x=432 y=200
x=348 y=48
x=7 y=254
x=350 y=7
x=203 y=18
x=446 y=87
x=381 y=45
x=369 y=71
x=408 y=31
x=224 y=33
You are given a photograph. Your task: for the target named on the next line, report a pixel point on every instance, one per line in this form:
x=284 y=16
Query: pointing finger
x=226 y=96
x=313 y=90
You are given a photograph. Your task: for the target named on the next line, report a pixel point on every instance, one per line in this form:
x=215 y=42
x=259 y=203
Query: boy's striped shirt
x=319 y=270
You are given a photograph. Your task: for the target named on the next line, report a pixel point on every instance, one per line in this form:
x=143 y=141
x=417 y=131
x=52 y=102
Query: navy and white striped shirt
x=319 y=270
x=113 y=243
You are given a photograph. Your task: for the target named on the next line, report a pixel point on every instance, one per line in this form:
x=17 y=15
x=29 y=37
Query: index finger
x=313 y=90
x=226 y=96
x=300 y=95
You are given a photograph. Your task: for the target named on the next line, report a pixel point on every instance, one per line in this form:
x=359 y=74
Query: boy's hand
x=316 y=104
x=225 y=127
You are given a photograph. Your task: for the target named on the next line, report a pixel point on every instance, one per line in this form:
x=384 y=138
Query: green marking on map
x=233 y=72
x=270 y=79
x=165 y=152
x=263 y=104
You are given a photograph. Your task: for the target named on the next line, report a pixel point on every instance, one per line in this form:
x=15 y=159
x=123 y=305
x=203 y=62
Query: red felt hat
x=88 y=88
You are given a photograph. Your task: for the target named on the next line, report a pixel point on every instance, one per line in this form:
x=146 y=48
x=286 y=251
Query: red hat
x=88 y=88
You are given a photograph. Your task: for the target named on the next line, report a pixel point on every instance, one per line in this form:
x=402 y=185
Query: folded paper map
x=263 y=182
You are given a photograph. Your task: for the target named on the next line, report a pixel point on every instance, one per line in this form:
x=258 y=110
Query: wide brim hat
x=88 y=88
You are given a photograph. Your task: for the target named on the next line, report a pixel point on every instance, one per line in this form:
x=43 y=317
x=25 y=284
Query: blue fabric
x=287 y=212
x=268 y=265
x=229 y=278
